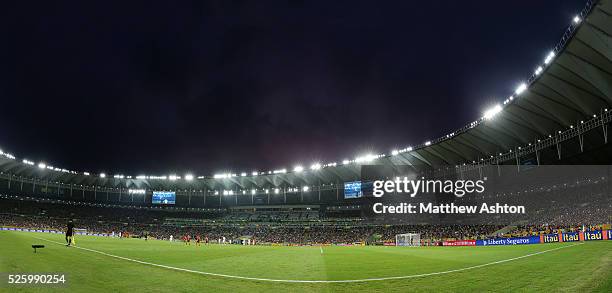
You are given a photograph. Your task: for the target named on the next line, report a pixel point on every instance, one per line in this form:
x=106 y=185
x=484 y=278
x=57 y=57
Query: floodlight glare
x=305 y=188
x=188 y=177
x=577 y=19
x=394 y=152
x=366 y=158
x=488 y=114
x=538 y=70
x=102 y=175
x=298 y=169
x=550 y=57
x=42 y=165
x=521 y=88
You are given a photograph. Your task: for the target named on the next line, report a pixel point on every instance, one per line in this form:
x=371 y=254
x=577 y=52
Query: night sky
x=212 y=86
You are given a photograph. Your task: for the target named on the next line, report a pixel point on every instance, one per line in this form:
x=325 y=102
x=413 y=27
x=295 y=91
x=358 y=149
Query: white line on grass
x=315 y=281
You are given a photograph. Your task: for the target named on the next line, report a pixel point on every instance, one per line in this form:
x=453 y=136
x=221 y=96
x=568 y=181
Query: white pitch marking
x=316 y=281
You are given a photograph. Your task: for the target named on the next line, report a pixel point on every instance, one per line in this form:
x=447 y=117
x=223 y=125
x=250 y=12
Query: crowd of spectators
x=48 y=215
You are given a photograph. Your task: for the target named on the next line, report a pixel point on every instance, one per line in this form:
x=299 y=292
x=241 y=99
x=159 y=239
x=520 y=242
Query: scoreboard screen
x=352 y=189
x=164 y=197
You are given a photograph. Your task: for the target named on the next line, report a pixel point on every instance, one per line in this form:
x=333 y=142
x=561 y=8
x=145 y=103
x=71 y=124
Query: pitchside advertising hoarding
x=509 y=241
x=459 y=243
x=570 y=237
x=549 y=238
x=593 y=235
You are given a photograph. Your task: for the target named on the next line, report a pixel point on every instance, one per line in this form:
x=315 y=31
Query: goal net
x=408 y=239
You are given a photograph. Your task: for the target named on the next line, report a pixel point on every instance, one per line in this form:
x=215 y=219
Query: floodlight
x=539 y=70
x=366 y=158
x=488 y=114
x=521 y=88
x=550 y=57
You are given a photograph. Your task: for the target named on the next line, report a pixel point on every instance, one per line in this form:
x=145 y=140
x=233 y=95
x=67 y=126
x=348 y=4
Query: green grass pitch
x=580 y=268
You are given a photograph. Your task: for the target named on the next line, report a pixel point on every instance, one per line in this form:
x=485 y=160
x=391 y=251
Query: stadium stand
x=559 y=116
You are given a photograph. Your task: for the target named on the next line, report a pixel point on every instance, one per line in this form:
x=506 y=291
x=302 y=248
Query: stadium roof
x=567 y=96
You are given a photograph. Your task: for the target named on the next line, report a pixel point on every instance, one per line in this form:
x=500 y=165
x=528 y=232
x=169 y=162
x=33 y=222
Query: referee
x=69 y=232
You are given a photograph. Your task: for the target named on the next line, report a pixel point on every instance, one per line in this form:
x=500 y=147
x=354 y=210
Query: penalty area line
x=314 y=281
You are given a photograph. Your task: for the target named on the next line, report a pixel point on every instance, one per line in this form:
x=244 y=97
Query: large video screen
x=352 y=189
x=164 y=197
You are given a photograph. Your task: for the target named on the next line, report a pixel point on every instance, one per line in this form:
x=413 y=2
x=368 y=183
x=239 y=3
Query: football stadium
x=517 y=200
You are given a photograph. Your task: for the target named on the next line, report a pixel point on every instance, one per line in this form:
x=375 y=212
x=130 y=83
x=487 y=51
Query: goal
x=408 y=239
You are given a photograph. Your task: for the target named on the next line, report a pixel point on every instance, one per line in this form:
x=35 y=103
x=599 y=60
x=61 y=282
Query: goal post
x=408 y=239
